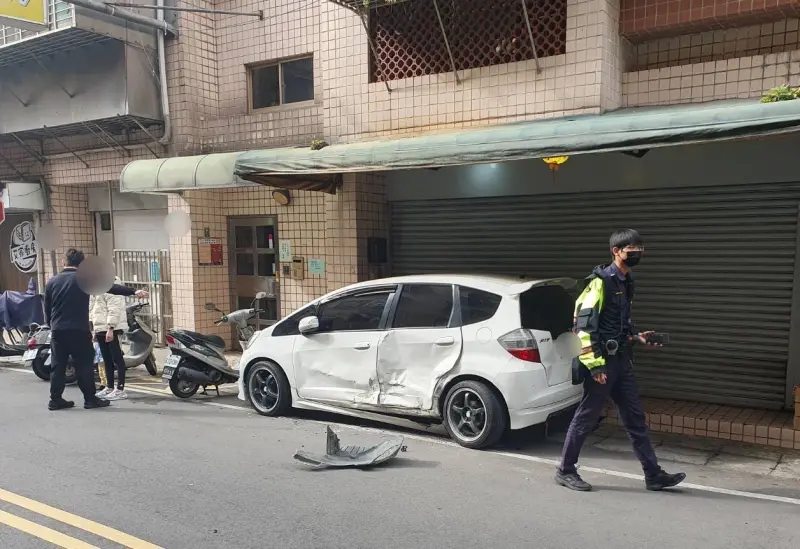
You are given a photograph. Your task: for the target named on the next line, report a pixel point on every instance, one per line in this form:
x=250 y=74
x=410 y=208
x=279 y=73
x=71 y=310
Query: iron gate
x=149 y=270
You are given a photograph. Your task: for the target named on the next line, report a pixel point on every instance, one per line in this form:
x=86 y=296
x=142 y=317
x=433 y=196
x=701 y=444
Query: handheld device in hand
x=657 y=338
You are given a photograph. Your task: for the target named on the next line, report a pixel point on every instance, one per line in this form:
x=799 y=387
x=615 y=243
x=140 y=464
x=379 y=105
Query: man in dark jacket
x=66 y=310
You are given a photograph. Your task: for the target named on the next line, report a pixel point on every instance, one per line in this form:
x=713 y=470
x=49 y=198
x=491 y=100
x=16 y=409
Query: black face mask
x=633 y=259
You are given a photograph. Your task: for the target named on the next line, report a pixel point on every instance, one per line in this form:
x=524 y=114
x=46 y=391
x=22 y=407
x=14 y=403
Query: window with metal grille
x=281 y=83
x=408 y=39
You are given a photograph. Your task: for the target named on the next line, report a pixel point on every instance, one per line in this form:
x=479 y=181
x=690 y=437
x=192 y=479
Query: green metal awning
x=180 y=173
x=301 y=168
x=209 y=171
x=621 y=130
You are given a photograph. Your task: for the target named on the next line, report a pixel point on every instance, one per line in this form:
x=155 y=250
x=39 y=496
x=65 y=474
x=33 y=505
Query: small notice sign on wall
x=209 y=251
x=285 y=251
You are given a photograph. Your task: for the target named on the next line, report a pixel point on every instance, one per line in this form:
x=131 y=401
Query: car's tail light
x=32 y=343
x=521 y=344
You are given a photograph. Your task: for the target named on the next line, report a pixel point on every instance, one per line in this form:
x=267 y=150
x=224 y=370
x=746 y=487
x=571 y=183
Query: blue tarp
x=21 y=309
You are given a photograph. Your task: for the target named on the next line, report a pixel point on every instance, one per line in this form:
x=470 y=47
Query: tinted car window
x=424 y=306
x=358 y=312
x=477 y=305
x=290 y=326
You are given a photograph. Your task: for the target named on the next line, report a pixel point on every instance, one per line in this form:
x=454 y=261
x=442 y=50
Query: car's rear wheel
x=474 y=415
x=268 y=389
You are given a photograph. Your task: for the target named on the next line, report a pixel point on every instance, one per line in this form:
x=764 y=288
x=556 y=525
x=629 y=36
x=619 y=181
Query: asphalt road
x=178 y=474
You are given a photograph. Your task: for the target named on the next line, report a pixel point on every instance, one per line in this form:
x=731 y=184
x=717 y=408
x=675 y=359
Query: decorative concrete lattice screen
x=408 y=39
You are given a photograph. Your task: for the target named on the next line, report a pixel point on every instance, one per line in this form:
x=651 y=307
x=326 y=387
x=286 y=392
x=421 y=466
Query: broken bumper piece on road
x=351 y=456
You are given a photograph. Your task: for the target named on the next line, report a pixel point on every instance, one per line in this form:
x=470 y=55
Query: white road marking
x=512 y=455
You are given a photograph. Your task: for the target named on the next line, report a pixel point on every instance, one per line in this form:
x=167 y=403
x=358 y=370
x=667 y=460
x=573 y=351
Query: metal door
x=254 y=263
x=717 y=272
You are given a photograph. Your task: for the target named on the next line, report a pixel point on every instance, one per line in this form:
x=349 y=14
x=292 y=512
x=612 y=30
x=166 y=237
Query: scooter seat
x=211 y=339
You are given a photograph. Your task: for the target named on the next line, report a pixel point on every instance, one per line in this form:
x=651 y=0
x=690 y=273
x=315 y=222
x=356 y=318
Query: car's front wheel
x=474 y=415
x=268 y=389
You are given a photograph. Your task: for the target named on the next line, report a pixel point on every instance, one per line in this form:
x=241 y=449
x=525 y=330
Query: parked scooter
x=38 y=358
x=142 y=339
x=198 y=360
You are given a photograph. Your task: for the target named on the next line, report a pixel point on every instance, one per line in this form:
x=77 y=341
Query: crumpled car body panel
x=350 y=456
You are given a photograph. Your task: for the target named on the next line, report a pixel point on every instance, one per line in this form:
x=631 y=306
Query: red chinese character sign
x=23 y=247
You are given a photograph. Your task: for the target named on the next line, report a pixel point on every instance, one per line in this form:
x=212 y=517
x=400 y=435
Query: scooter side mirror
x=210 y=306
x=261 y=295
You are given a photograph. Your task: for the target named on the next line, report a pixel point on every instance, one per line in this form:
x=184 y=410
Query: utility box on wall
x=298 y=268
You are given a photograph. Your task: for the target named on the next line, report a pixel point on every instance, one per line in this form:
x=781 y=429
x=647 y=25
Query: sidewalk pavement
x=718 y=454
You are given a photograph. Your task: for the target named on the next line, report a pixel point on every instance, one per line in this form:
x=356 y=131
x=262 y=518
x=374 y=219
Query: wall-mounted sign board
x=209 y=251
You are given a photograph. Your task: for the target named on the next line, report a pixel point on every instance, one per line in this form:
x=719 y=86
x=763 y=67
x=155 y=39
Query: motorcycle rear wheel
x=41 y=371
x=182 y=389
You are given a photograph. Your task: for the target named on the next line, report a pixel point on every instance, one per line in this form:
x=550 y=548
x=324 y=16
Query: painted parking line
x=511 y=455
x=42 y=532
x=106 y=532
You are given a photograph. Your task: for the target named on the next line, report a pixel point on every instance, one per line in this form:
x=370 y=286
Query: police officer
x=603 y=322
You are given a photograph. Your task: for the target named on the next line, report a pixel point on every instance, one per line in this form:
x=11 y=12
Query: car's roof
x=490 y=283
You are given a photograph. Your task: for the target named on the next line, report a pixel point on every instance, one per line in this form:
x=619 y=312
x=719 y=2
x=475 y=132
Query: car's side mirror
x=309 y=325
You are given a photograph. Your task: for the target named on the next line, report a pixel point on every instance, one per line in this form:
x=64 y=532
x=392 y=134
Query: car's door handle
x=363 y=346
x=445 y=341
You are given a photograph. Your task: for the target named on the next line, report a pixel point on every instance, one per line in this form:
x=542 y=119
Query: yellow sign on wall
x=25 y=14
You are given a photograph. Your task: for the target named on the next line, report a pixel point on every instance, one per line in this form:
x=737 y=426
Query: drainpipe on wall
x=111 y=218
x=162 y=76
x=48 y=208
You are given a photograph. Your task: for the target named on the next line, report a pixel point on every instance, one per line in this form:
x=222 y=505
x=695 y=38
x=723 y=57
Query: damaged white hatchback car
x=479 y=354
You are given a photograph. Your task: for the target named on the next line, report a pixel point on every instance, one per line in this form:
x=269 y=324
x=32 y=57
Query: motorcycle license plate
x=170 y=365
x=30 y=354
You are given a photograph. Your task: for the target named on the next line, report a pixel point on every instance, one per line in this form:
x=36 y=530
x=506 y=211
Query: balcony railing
x=60 y=15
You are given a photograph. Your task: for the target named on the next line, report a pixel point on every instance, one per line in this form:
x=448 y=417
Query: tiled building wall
x=182 y=260
x=583 y=80
x=726 y=79
x=648 y=19
x=192 y=78
x=718 y=45
x=372 y=220
x=319 y=226
x=69 y=212
x=290 y=28
x=333 y=228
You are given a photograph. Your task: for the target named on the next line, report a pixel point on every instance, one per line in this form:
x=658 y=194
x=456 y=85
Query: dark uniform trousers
x=78 y=345
x=621 y=387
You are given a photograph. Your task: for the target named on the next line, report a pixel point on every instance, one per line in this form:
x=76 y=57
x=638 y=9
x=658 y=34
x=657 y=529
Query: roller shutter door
x=717 y=272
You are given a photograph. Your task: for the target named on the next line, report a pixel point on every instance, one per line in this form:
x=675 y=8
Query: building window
x=409 y=41
x=281 y=83
x=105 y=221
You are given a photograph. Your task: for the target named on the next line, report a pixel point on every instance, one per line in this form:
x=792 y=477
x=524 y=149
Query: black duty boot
x=59 y=404
x=573 y=481
x=96 y=403
x=663 y=480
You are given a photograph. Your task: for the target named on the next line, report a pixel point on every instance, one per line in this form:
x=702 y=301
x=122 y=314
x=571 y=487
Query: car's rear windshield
x=547 y=308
